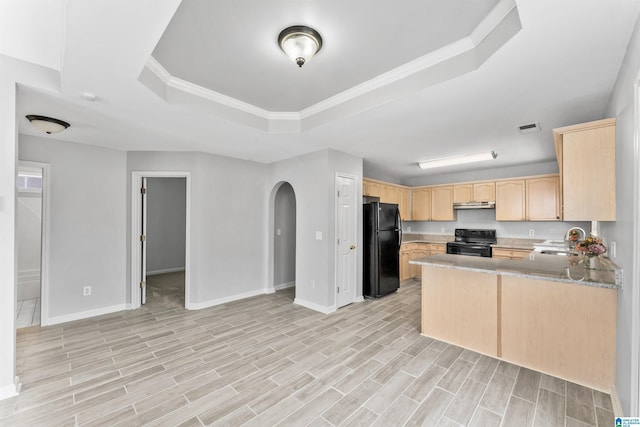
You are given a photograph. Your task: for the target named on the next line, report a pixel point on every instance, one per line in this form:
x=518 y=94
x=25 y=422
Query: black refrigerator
x=382 y=236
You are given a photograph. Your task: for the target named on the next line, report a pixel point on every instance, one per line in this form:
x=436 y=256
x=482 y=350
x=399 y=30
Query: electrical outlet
x=442 y=230
x=408 y=228
x=278 y=232
x=86 y=291
x=613 y=248
x=318 y=235
x=313 y=284
x=532 y=233
x=618 y=277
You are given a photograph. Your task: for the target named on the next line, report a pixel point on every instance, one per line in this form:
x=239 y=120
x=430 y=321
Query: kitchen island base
x=561 y=329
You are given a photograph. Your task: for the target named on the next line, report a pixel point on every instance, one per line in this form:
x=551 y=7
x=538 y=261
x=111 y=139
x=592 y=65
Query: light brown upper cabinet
x=476 y=192
x=510 y=200
x=442 y=203
x=390 y=194
x=371 y=188
x=421 y=204
x=543 y=199
x=405 y=204
x=587 y=160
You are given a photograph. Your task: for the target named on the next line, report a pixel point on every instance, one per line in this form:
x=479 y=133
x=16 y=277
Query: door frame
x=356 y=205
x=44 y=236
x=136 y=212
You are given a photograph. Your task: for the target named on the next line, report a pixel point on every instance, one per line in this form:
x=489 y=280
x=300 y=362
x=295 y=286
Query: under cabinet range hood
x=474 y=205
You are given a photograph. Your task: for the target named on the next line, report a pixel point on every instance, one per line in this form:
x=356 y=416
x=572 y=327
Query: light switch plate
x=318 y=235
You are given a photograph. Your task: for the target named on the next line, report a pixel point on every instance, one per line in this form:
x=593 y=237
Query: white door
x=143 y=242
x=346 y=261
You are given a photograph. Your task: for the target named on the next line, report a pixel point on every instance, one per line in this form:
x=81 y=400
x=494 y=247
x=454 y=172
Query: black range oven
x=472 y=242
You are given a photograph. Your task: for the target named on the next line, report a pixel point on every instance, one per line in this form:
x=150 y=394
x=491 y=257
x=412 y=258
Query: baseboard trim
x=313 y=306
x=218 y=301
x=284 y=286
x=615 y=403
x=358 y=299
x=10 y=390
x=83 y=315
x=167 y=270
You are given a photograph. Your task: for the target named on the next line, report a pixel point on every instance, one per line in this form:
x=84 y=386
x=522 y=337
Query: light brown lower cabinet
x=562 y=329
x=509 y=253
x=461 y=308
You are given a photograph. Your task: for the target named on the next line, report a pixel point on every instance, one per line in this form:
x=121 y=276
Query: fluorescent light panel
x=459 y=160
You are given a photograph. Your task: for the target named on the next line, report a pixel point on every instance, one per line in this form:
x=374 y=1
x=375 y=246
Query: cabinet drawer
x=510 y=253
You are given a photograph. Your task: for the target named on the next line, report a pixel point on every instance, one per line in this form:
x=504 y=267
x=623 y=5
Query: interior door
x=347 y=235
x=143 y=242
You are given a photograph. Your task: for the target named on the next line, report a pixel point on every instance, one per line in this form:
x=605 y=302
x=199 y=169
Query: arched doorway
x=283 y=232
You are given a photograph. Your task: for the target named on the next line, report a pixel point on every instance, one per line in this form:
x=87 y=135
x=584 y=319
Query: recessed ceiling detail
x=493 y=27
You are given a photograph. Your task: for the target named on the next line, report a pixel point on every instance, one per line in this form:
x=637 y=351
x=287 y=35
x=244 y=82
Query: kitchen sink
x=554 y=247
x=562 y=253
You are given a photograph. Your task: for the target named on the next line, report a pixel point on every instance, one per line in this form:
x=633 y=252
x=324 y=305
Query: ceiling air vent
x=529 y=128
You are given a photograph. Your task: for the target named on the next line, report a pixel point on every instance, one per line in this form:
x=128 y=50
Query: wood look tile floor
x=265 y=361
x=28 y=313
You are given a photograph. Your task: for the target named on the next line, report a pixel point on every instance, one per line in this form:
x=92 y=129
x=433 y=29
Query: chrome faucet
x=581 y=236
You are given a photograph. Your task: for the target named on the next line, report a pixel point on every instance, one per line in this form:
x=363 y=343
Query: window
x=29 y=183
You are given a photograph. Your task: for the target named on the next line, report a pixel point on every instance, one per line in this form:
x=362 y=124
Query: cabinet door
x=442 y=203
x=373 y=189
x=543 y=199
x=421 y=205
x=462 y=193
x=405 y=267
x=510 y=200
x=390 y=194
x=589 y=175
x=420 y=252
x=438 y=248
x=484 y=192
x=509 y=253
x=405 y=204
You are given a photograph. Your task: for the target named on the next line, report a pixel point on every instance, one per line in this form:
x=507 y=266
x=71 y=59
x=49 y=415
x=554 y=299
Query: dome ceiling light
x=47 y=124
x=300 y=43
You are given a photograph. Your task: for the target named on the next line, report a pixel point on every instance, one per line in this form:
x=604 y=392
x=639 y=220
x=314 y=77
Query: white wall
x=284 y=248
x=29 y=245
x=87 y=227
x=166 y=219
x=228 y=211
x=8 y=173
x=12 y=72
x=486 y=218
x=312 y=177
x=621 y=106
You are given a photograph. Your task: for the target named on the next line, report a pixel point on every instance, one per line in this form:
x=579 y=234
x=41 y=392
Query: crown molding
x=455 y=59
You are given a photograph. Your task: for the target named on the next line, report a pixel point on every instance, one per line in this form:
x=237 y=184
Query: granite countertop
x=553 y=268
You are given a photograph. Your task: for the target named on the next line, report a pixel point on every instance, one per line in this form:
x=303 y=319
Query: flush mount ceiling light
x=47 y=124
x=459 y=160
x=300 y=43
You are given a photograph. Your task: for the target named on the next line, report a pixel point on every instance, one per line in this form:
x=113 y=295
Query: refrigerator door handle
x=399 y=228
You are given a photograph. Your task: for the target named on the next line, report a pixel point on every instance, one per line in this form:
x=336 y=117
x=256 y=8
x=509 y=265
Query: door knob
x=352 y=247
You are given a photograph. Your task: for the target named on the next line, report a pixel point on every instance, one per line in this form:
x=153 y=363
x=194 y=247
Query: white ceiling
x=167 y=78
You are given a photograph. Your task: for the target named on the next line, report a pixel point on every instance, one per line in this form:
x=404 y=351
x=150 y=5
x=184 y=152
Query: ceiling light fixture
x=300 y=43
x=459 y=160
x=47 y=124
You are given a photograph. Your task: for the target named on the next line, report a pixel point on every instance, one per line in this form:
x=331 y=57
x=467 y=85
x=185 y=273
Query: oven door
x=468 y=249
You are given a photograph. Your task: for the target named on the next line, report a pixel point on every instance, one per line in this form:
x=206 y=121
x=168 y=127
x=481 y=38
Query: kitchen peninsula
x=544 y=312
